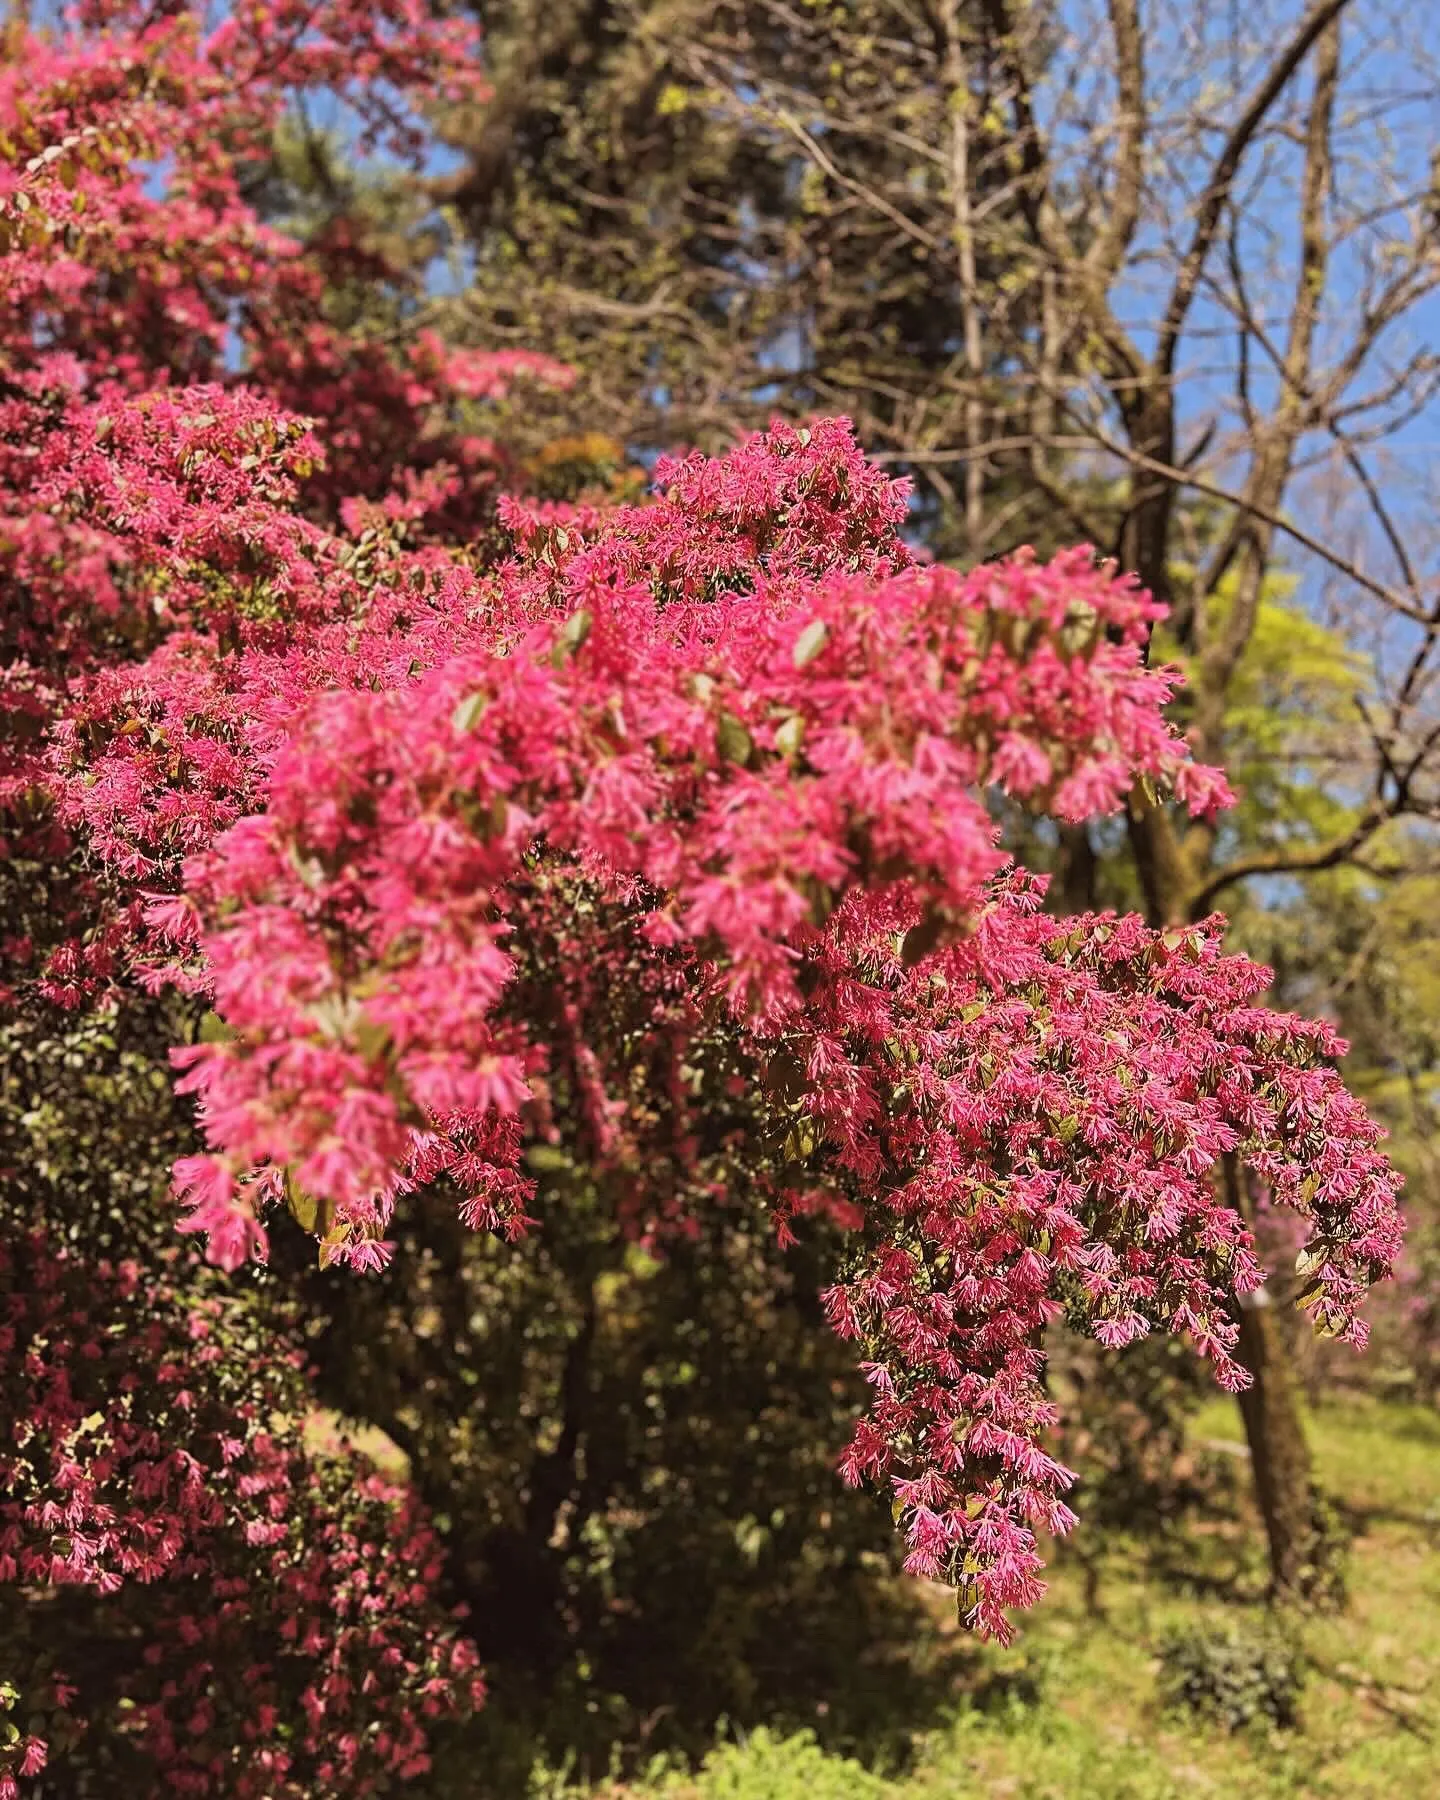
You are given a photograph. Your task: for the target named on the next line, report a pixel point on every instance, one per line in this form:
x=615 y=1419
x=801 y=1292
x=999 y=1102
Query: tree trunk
x=1279 y=1454
x=1075 y=875
x=1269 y=1407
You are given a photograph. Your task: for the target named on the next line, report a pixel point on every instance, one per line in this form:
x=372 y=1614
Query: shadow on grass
x=865 y=1668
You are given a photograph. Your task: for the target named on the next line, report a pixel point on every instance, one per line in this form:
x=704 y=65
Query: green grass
x=1094 y=1728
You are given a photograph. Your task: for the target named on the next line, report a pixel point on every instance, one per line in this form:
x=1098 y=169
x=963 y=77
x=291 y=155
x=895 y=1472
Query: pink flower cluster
x=158 y=347
x=728 y=753
x=748 y=742
x=285 y=1589
x=1049 y=1103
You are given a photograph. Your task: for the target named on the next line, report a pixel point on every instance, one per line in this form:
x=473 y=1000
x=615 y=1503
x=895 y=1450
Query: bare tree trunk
x=1269 y=1407
x=1279 y=1455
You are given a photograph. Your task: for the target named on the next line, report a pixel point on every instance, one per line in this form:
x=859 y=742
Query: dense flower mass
x=661 y=839
x=284 y=1587
x=726 y=753
x=157 y=500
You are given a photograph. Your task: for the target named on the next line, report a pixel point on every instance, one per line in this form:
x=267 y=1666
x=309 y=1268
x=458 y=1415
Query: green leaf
x=790 y=736
x=572 y=635
x=331 y=1245
x=372 y=1039
x=304 y=1208
x=468 y=713
x=1080 y=634
x=733 y=741
x=811 y=641
x=214 y=1030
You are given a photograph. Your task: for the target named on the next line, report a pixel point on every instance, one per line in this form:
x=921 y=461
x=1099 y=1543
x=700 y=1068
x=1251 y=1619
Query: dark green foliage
x=631 y=1460
x=630 y=1457
x=90 y=1125
x=664 y=195
x=1235 y=1676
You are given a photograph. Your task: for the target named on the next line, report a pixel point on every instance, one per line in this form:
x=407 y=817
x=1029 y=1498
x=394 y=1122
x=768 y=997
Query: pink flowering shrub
x=726 y=754
x=188 y=1597
x=662 y=839
x=147 y=487
x=278 y=1590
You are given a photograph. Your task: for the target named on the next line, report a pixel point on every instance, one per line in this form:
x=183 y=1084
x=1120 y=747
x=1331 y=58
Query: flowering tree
x=158 y=1481
x=658 y=840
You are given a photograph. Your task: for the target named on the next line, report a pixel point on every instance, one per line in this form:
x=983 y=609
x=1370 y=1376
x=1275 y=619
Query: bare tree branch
x=1222 y=175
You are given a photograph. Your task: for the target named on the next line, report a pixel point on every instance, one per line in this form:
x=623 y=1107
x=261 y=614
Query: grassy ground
x=1082 y=1719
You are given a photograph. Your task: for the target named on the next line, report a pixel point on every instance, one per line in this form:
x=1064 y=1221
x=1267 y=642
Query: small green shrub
x=769 y=1767
x=1236 y=1677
